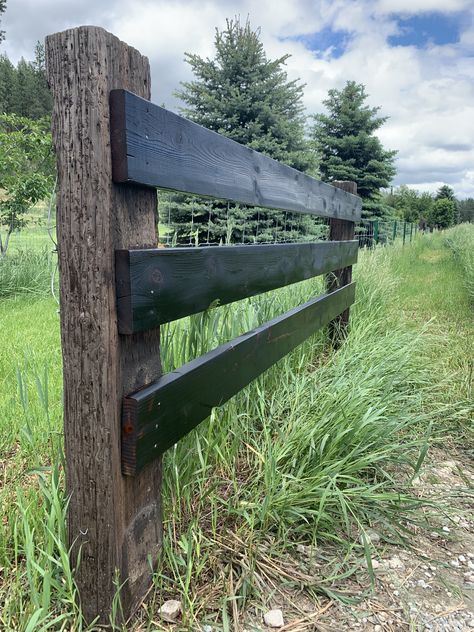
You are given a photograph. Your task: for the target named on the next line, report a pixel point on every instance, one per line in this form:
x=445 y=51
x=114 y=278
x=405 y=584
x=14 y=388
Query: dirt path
x=431 y=586
x=428 y=585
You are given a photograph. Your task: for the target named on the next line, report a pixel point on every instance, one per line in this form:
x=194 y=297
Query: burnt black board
x=154 y=147
x=156 y=286
x=157 y=416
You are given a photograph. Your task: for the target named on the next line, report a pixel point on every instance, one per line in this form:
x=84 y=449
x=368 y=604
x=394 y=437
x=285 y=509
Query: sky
x=415 y=57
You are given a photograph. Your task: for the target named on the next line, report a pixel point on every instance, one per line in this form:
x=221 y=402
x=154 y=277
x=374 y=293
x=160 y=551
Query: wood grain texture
x=156 y=417
x=340 y=229
x=155 y=147
x=115 y=520
x=161 y=285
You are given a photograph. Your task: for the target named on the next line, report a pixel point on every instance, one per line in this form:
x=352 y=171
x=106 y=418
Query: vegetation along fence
x=113 y=149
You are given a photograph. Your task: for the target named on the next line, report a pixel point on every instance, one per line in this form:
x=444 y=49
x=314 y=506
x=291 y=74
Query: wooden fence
x=120 y=414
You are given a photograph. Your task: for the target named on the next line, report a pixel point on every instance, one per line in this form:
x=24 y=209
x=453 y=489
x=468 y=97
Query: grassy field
x=321 y=450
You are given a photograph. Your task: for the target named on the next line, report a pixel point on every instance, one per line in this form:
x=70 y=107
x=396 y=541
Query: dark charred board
x=160 y=285
x=154 y=147
x=157 y=416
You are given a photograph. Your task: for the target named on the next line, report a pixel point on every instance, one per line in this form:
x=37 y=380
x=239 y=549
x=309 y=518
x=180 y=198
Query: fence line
x=116 y=287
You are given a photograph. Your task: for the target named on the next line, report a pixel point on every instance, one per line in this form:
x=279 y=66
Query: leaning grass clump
x=304 y=453
x=26 y=272
x=460 y=240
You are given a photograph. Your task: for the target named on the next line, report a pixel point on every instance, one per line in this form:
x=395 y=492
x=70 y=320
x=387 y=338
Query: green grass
x=318 y=449
x=459 y=240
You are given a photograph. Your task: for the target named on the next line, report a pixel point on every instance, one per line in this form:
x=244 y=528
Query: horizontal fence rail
x=157 y=416
x=160 y=285
x=154 y=147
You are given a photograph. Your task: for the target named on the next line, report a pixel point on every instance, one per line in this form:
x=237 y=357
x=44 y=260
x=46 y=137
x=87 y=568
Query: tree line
x=246 y=96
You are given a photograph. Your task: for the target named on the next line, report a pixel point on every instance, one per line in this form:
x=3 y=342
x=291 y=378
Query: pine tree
x=24 y=90
x=3 y=6
x=348 y=149
x=445 y=192
x=7 y=84
x=243 y=95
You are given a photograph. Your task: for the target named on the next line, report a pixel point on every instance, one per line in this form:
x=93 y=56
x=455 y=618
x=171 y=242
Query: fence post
x=114 y=520
x=376 y=231
x=404 y=232
x=340 y=229
x=394 y=230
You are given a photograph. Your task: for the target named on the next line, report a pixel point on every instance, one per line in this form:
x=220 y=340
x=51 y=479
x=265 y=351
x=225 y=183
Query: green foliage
x=460 y=240
x=410 y=205
x=3 y=6
x=466 y=210
x=348 y=149
x=243 y=95
x=445 y=192
x=305 y=454
x=443 y=213
x=26 y=272
x=24 y=89
x=26 y=170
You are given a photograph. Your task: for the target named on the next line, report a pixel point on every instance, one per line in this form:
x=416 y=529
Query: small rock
x=470 y=624
x=454 y=563
x=471 y=565
x=461 y=558
x=377 y=628
x=372 y=536
x=207 y=628
x=446 y=529
x=274 y=619
x=438 y=608
x=302 y=549
x=395 y=563
x=170 y=610
x=375 y=564
x=434 y=534
x=422 y=584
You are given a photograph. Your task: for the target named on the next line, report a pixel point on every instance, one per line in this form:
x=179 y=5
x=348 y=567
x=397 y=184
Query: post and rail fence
x=114 y=149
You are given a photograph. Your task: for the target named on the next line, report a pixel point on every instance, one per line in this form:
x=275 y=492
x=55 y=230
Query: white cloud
x=427 y=93
x=419 y=6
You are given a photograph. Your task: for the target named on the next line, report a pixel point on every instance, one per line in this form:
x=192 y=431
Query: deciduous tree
x=26 y=170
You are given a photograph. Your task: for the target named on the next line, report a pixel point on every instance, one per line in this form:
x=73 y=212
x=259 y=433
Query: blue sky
x=415 y=57
x=425 y=29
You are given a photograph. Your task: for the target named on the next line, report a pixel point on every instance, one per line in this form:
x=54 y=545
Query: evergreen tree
x=24 y=90
x=348 y=149
x=243 y=95
x=445 y=192
x=443 y=213
x=466 y=210
x=7 y=84
x=3 y=6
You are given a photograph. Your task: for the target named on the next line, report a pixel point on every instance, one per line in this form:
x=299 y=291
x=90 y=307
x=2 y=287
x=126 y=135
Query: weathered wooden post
x=113 y=521
x=340 y=229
